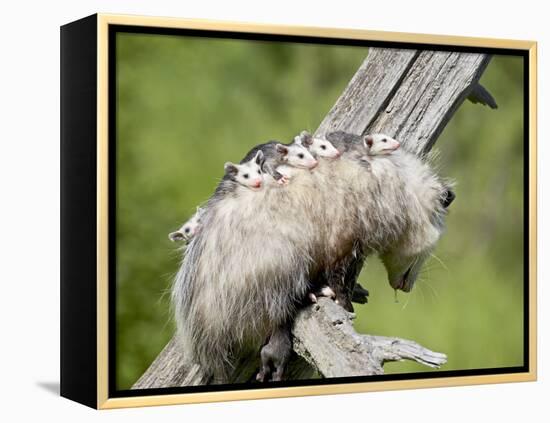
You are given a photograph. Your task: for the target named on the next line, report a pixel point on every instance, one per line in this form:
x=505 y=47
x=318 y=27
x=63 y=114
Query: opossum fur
x=253 y=261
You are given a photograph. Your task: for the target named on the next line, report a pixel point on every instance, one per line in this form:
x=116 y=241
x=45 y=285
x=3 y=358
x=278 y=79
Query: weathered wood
x=324 y=336
x=168 y=370
x=411 y=96
x=435 y=85
x=368 y=91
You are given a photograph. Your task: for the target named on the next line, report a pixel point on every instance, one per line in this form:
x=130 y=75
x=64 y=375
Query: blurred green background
x=186 y=105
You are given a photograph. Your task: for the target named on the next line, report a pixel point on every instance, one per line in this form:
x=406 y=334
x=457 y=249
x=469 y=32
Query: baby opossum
x=247 y=173
x=188 y=229
x=280 y=157
x=380 y=144
x=377 y=145
x=318 y=147
x=252 y=262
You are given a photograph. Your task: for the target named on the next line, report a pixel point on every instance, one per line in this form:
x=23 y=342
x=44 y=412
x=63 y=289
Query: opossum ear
x=367 y=141
x=306 y=138
x=230 y=168
x=259 y=158
x=282 y=149
x=448 y=198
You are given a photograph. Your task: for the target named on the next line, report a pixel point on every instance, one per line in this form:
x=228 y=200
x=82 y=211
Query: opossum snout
x=403 y=282
x=314 y=164
x=257 y=183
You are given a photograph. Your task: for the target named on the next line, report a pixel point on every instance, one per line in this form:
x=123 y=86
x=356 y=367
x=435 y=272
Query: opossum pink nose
x=338 y=154
x=257 y=184
x=397 y=144
x=314 y=164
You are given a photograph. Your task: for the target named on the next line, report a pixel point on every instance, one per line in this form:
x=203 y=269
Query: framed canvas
x=256 y=211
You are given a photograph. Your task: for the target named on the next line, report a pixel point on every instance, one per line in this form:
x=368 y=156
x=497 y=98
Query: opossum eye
x=259 y=172
x=324 y=147
x=384 y=140
x=301 y=156
x=187 y=230
x=245 y=176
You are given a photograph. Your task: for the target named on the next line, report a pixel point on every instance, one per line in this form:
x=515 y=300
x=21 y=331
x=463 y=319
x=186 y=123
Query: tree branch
x=324 y=336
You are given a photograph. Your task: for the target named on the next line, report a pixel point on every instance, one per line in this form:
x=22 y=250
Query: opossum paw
x=263 y=374
x=326 y=291
x=360 y=295
x=283 y=180
x=277 y=375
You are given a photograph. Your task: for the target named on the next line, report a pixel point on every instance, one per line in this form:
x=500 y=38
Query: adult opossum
x=243 y=273
x=252 y=262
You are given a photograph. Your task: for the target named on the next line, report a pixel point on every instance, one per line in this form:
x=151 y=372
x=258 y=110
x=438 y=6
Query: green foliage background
x=186 y=105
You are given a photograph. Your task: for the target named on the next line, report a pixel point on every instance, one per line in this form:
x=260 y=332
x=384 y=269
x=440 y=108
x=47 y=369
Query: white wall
x=29 y=175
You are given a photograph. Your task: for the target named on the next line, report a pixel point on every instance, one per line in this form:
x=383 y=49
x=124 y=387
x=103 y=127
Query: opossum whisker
x=436 y=295
x=425 y=282
x=409 y=297
x=440 y=261
x=421 y=290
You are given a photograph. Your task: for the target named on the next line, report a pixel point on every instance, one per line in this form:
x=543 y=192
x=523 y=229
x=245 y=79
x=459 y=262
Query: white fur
x=380 y=144
x=257 y=251
x=299 y=156
x=248 y=174
x=318 y=147
x=323 y=148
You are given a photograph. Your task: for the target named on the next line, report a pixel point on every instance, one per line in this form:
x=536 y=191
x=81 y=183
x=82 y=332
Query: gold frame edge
x=103 y=400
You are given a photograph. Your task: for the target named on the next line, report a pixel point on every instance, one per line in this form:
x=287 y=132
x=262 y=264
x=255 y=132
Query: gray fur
x=272 y=158
x=345 y=141
x=278 y=156
x=275 y=355
x=252 y=262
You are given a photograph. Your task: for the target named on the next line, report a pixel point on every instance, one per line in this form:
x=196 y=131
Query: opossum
x=280 y=158
x=252 y=263
x=248 y=173
x=188 y=229
x=377 y=145
x=318 y=147
x=372 y=145
x=206 y=287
